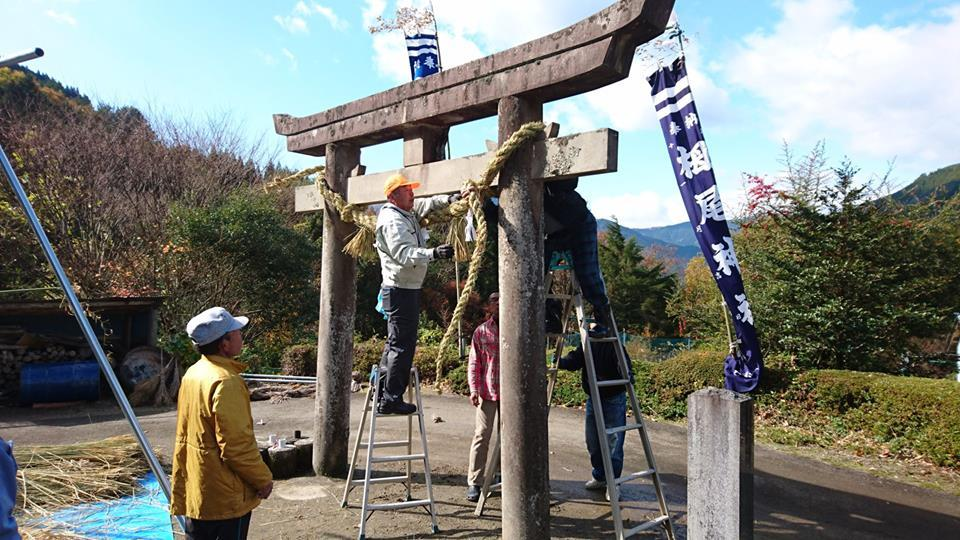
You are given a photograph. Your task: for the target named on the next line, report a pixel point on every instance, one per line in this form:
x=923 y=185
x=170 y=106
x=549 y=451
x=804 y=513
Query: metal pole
x=87 y=329
x=22 y=57
x=726 y=321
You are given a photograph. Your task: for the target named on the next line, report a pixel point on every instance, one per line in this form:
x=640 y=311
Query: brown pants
x=485 y=422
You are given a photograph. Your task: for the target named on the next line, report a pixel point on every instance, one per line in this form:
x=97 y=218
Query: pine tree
x=638 y=288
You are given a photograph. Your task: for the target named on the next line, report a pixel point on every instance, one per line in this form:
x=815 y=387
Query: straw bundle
x=54 y=477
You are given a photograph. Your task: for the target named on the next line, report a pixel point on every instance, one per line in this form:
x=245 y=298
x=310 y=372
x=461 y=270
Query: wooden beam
x=580 y=154
x=590 y=54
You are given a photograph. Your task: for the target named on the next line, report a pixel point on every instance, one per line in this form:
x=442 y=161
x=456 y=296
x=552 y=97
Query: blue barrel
x=52 y=382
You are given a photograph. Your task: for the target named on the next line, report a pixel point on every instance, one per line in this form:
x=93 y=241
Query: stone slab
x=581 y=154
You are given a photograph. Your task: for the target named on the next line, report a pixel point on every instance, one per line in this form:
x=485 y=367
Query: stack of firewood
x=19 y=349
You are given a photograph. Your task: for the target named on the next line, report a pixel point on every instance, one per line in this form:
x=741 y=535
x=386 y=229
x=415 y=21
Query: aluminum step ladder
x=603 y=432
x=371 y=444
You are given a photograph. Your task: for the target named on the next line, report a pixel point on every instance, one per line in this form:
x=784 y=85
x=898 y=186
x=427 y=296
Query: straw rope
x=478 y=190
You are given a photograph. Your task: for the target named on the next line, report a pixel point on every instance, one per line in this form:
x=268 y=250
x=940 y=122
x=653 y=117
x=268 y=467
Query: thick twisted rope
x=474 y=201
x=362 y=241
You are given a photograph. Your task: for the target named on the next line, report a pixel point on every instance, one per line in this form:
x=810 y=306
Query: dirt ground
x=794 y=496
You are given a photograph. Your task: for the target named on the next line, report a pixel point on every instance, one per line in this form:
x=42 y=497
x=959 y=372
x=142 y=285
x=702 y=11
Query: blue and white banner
x=423 y=51
x=678 y=117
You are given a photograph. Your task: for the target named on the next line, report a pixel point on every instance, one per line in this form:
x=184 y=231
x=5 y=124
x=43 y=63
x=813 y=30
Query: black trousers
x=218 y=529
x=402 y=307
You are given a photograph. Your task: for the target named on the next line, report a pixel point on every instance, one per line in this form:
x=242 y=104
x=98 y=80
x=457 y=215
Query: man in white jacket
x=401 y=245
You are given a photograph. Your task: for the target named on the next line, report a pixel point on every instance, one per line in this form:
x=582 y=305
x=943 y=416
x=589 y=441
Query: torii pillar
x=338 y=304
x=523 y=369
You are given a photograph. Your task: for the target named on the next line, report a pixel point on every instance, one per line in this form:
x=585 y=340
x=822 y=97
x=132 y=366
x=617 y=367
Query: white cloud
x=301 y=8
x=500 y=24
x=390 y=56
x=883 y=90
x=266 y=58
x=291 y=23
x=335 y=22
x=297 y=22
x=290 y=56
x=61 y=16
x=640 y=209
x=371 y=10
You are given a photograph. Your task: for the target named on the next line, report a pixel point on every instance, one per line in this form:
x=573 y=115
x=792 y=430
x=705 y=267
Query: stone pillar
x=338 y=299
x=523 y=369
x=424 y=144
x=719 y=465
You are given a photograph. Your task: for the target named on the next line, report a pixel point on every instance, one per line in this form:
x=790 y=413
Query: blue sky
x=870 y=78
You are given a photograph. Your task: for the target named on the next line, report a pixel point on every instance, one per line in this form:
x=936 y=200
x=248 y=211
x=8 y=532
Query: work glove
x=444 y=251
x=453 y=197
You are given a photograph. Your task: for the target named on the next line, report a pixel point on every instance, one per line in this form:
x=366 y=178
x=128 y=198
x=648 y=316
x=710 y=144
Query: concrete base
x=719 y=465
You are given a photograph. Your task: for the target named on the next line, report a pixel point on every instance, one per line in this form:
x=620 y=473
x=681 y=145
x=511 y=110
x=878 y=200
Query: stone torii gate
x=514 y=85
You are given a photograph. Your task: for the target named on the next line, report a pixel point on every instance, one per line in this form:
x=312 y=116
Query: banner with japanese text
x=423 y=52
x=678 y=117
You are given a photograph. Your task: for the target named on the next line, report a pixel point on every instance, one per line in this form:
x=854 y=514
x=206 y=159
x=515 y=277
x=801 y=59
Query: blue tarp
x=143 y=516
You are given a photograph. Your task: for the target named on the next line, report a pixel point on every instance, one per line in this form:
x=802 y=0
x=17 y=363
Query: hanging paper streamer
x=678 y=117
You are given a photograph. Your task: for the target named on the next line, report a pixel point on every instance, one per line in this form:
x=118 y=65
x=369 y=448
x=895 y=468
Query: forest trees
x=837 y=277
x=638 y=288
x=103 y=182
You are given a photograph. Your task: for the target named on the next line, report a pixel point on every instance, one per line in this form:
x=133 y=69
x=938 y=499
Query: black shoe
x=473 y=493
x=604 y=321
x=396 y=407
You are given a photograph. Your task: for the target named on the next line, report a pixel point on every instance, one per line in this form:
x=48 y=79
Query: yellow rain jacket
x=217 y=468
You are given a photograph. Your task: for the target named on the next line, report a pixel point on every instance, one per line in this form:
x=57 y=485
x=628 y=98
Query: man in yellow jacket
x=218 y=475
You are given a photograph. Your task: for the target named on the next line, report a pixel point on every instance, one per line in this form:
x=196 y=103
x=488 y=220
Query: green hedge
x=909 y=415
x=367 y=353
x=905 y=413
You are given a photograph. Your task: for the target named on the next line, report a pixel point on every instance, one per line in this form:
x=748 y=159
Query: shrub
x=299 y=360
x=366 y=354
x=907 y=413
x=671 y=381
x=457 y=380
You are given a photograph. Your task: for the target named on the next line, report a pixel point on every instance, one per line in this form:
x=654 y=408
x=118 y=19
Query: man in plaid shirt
x=483 y=376
x=570 y=225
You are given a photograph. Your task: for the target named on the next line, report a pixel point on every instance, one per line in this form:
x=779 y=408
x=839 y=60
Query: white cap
x=212 y=324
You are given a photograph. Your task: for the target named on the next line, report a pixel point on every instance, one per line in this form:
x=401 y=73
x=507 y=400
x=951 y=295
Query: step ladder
x=573 y=302
x=371 y=444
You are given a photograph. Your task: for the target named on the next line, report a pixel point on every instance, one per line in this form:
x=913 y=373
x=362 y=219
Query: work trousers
x=402 y=307
x=614 y=415
x=486 y=420
x=218 y=529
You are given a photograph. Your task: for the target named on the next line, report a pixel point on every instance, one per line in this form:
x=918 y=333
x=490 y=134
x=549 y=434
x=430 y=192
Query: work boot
x=396 y=407
x=473 y=493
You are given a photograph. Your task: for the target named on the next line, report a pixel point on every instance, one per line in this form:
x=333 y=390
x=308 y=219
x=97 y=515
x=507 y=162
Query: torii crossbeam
x=514 y=85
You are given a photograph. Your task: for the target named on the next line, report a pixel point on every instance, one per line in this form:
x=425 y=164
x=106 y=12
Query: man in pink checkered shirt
x=483 y=375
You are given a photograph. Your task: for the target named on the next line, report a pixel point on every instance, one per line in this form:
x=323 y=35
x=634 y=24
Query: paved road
x=795 y=497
